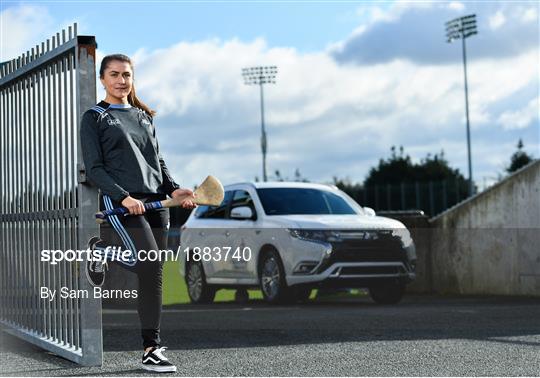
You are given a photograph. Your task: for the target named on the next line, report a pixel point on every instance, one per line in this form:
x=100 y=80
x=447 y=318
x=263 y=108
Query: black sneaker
x=154 y=360
x=95 y=270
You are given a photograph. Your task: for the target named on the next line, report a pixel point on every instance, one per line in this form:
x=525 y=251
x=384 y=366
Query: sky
x=354 y=78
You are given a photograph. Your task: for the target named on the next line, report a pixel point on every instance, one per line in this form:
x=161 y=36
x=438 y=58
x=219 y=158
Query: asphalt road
x=422 y=336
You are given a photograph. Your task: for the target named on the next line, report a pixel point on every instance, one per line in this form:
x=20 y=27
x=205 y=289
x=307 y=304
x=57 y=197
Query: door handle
x=201 y=233
x=227 y=233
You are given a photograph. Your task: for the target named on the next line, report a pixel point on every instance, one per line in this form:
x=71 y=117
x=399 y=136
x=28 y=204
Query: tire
x=272 y=279
x=198 y=290
x=387 y=293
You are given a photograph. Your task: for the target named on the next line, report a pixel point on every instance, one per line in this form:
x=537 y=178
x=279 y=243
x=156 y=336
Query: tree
x=399 y=168
x=397 y=183
x=519 y=158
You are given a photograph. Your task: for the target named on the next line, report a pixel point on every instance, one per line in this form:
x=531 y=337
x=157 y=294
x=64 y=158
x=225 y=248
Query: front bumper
x=347 y=274
x=359 y=262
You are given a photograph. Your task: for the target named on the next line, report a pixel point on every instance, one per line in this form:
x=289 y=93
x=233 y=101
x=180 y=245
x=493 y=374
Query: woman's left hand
x=187 y=203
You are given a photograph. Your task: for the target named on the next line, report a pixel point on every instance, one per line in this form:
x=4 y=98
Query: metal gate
x=45 y=203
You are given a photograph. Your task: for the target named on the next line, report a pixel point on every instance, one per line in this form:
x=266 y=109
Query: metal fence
x=44 y=206
x=432 y=197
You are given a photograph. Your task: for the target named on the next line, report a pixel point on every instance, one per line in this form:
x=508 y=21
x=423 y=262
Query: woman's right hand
x=134 y=206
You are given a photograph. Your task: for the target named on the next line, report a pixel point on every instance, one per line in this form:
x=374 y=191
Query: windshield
x=289 y=201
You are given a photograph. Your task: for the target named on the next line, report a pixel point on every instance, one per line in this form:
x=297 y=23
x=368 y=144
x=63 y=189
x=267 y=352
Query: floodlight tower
x=462 y=28
x=261 y=75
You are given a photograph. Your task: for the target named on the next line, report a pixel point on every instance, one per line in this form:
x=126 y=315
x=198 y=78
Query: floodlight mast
x=259 y=76
x=462 y=28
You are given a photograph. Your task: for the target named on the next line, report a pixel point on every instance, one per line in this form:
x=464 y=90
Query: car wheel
x=198 y=290
x=387 y=293
x=272 y=278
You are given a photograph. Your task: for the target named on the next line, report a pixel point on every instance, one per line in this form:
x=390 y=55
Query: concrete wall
x=490 y=244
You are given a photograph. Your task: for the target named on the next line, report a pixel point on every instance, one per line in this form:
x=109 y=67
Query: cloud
x=23 y=27
x=416 y=32
x=321 y=117
x=497 y=20
x=456 y=6
x=329 y=117
x=520 y=118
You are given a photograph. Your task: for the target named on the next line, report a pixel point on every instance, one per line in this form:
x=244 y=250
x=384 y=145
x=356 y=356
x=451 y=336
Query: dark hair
x=132 y=97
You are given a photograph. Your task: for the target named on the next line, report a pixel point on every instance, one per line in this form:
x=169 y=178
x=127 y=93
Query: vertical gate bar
x=20 y=250
x=23 y=282
x=18 y=202
x=11 y=304
x=54 y=191
x=5 y=203
x=73 y=204
x=13 y=222
x=29 y=196
x=43 y=314
x=20 y=228
x=62 y=137
x=48 y=172
x=37 y=147
x=3 y=149
x=57 y=172
x=32 y=207
x=7 y=185
x=35 y=251
x=3 y=175
x=67 y=190
x=9 y=209
x=2 y=212
x=38 y=176
x=91 y=332
x=25 y=223
x=45 y=235
x=26 y=228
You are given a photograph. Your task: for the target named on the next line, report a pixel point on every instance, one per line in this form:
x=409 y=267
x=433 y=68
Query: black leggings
x=141 y=232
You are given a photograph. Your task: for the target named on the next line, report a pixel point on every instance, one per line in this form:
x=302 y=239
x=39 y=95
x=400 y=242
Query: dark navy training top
x=121 y=153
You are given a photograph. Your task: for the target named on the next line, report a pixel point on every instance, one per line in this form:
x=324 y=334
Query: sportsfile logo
x=114 y=253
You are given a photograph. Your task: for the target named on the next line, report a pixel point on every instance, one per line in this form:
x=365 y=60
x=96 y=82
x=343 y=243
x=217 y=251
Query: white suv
x=287 y=238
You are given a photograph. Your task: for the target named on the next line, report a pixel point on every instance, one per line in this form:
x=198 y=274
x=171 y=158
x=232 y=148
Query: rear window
x=290 y=201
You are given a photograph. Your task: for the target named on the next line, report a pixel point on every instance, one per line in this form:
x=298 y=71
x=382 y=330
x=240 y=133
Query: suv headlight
x=404 y=235
x=316 y=235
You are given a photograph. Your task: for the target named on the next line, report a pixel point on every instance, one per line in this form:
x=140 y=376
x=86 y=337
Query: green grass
x=175 y=290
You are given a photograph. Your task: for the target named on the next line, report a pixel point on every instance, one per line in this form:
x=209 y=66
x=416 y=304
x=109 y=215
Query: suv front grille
x=382 y=248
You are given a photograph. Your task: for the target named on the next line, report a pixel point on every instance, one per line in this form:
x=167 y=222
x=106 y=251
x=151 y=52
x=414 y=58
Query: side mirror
x=242 y=212
x=369 y=211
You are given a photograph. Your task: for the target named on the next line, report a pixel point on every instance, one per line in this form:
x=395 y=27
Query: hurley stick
x=210 y=193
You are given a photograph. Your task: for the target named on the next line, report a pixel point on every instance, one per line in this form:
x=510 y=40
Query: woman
x=122 y=158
